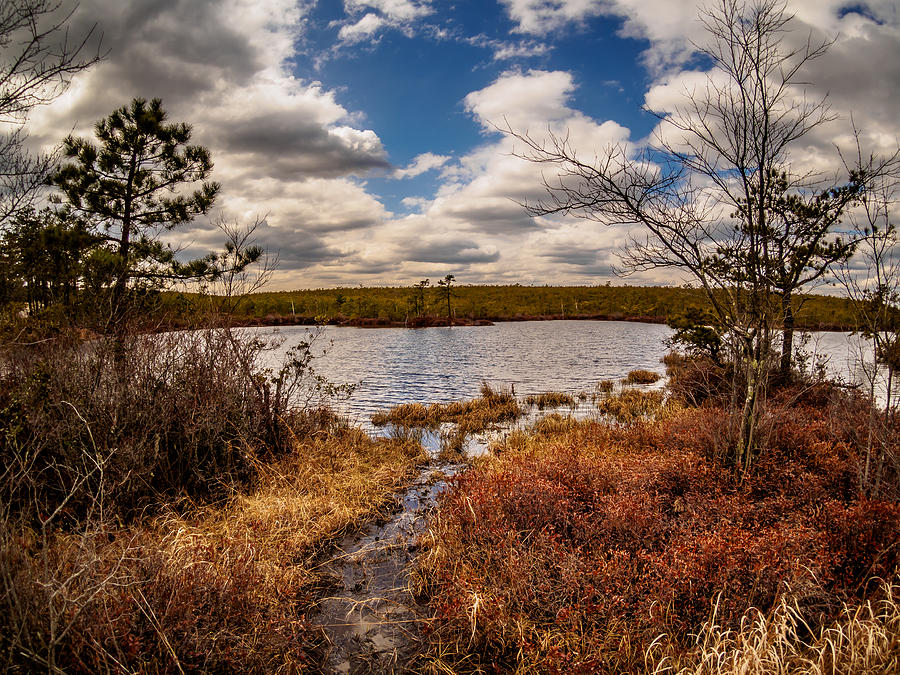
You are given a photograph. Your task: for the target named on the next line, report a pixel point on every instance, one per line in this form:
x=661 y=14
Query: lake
x=400 y=365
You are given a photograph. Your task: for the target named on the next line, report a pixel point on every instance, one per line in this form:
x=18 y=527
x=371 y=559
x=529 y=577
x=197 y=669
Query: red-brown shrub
x=574 y=553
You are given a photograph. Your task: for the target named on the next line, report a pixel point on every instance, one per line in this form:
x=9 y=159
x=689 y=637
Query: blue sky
x=361 y=130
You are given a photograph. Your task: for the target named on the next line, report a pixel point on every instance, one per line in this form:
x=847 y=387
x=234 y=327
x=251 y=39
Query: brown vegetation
x=590 y=547
x=177 y=532
x=550 y=399
x=641 y=377
x=472 y=416
x=631 y=405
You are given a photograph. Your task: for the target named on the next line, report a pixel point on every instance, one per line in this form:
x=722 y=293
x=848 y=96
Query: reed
x=865 y=638
x=474 y=415
x=631 y=405
x=550 y=399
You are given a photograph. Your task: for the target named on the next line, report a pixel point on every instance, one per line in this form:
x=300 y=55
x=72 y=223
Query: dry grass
x=550 y=399
x=641 y=377
x=606 y=386
x=631 y=405
x=212 y=588
x=864 y=639
x=475 y=415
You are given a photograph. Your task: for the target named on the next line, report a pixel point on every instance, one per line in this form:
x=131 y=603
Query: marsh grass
x=202 y=587
x=641 y=377
x=550 y=399
x=606 y=386
x=632 y=405
x=163 y=512
x=865 y=638
x=576 y=544
x=474 y=415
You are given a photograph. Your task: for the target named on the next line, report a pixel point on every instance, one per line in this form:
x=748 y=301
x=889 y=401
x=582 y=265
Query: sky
x=365 y=132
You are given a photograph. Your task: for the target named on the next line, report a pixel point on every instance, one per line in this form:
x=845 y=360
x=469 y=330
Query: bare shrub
x=182 y=413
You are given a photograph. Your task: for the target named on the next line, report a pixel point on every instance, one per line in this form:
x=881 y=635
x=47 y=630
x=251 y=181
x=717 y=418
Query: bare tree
x=242 y=267
x=715 y=192
x=873 y=285
x=38 y=58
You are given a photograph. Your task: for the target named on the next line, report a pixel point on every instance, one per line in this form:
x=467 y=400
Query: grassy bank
x=633 y=547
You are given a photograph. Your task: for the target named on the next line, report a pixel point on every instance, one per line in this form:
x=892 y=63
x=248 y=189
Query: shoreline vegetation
x=171 y=516
x=394 y=307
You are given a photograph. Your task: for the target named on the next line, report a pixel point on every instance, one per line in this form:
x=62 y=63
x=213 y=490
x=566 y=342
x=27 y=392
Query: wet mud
x=370 y=616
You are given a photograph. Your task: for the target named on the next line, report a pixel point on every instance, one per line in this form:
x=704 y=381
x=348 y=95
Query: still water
x=399 y=365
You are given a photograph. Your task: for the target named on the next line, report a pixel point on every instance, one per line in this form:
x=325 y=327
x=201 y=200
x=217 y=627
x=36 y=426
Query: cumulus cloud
x=287 y=147
x=539 y=17
x=363 y=29
x=282 y=146
x=475 y=226
x=423 y=163
x=375 y=16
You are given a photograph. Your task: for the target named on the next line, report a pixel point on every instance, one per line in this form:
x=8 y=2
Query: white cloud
x=538 y=17
x=367 y=26
x=504 y=50
x=427 y=161
x=474 y=227
x=282 y=146
x=519 y=50
x=395 y=10
x=380 y=15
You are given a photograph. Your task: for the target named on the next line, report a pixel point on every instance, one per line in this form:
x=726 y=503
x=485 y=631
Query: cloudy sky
x=364 y=131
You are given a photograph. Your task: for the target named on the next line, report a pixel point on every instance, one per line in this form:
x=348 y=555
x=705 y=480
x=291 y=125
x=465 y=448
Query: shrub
x=580 y=543
x=180 y=413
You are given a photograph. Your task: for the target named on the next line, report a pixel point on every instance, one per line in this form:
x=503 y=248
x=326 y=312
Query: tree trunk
x=787 y=337
x=747 y=432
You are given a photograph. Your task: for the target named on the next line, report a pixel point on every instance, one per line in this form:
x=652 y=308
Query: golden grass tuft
x=641 y=377
x=471 y=416
x=864 y=639
x=209 y=588
x=550 y=399
x=632 y=405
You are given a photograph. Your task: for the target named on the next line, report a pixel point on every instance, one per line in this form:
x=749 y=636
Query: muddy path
x=370 y=615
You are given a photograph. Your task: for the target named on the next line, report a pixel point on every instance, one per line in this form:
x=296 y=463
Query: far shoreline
x=277 y=320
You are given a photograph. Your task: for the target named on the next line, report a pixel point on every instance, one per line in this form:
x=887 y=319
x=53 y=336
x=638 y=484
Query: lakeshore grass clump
x=641 y=377
x=631 y=405
x=550 y=399
x=472 y=416
x=594 y=547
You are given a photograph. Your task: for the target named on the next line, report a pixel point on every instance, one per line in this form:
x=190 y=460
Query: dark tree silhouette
x=445 y=284
x=38 y=58
x=132 y=187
